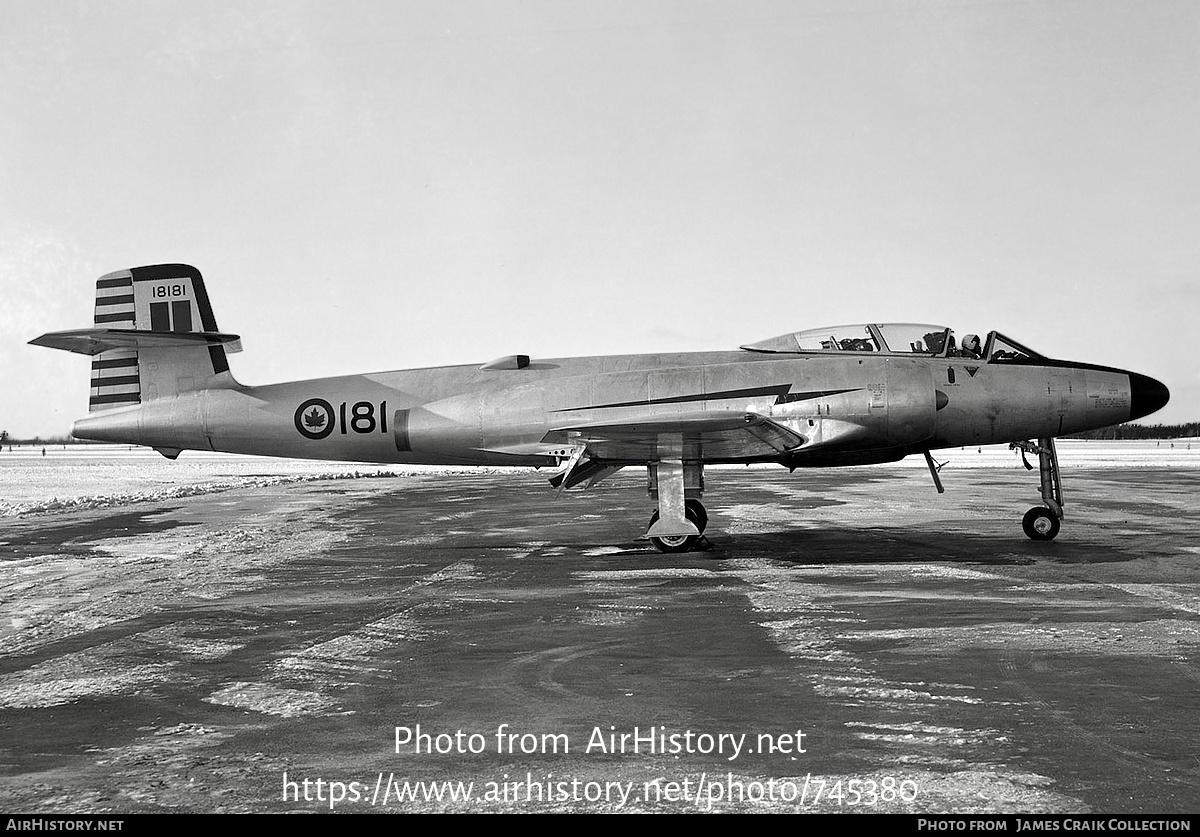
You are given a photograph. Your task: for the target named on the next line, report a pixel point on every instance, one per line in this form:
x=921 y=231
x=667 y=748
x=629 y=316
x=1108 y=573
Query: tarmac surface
x=852 y=641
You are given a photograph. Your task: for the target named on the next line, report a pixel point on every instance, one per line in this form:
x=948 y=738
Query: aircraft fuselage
x=873 y=405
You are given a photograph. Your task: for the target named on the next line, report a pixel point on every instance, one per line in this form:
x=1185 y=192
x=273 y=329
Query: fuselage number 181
x=316 y=418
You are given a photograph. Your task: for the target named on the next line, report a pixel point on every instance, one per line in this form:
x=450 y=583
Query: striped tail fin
x=155 y=336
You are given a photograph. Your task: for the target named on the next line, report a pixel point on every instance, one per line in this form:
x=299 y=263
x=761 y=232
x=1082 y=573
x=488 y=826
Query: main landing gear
x=1041 y=523
x=681 y=519
x=695 y=514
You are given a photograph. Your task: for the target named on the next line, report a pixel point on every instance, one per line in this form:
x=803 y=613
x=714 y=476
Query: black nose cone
x=1146 y=395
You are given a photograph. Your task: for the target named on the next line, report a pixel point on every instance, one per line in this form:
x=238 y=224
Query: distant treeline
x=7 y=440
x=1141 y=431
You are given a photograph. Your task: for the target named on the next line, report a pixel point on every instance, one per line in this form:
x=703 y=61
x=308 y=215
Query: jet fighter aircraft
x=845 y=395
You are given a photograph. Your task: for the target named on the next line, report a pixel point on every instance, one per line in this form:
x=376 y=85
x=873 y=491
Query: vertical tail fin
x=155 y=337
x=170 y=298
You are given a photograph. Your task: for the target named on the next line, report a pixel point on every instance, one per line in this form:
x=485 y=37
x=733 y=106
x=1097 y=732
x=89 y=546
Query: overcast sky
x=378 y=185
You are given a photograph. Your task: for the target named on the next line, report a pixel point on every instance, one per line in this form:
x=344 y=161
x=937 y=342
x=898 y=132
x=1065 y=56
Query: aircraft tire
x=682 y=543
x=701 y=519
x=1040 y=524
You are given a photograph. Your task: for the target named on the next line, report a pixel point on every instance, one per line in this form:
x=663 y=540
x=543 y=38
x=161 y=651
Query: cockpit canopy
x=899 y=339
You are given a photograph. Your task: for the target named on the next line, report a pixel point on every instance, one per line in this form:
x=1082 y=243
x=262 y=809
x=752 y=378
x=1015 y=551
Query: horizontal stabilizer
x=93 y=341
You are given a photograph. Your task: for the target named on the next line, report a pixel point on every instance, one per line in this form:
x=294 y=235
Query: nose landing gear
x=1041 y=523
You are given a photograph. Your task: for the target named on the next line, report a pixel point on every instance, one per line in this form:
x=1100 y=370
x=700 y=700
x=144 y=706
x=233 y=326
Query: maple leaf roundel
x=314 y=418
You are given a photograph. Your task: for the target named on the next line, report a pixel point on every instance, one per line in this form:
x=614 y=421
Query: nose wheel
x=1040 y=524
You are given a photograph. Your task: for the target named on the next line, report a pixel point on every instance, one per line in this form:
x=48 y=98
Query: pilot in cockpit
x=971 y=347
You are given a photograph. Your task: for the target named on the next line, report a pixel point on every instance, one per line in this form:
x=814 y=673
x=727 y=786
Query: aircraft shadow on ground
x=894 y=545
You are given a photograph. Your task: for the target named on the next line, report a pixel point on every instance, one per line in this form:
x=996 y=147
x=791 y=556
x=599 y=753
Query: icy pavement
x=77 y=477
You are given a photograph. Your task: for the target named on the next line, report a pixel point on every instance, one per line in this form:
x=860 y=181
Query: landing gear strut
x=1041 y=523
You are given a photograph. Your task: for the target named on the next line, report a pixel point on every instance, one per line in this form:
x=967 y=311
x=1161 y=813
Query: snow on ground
x=71 y=477
x=75 y=477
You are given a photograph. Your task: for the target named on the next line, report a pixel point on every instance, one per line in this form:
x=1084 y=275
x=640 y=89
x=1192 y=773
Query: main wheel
x=697 y=507
x=677 y=543
x=1040 y=524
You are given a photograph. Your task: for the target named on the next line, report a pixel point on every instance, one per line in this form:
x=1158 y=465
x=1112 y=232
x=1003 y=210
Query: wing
x=705 y=436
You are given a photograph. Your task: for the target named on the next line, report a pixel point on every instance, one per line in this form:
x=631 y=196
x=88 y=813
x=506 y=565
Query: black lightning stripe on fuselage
x=808 y=396
x=782 y=393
